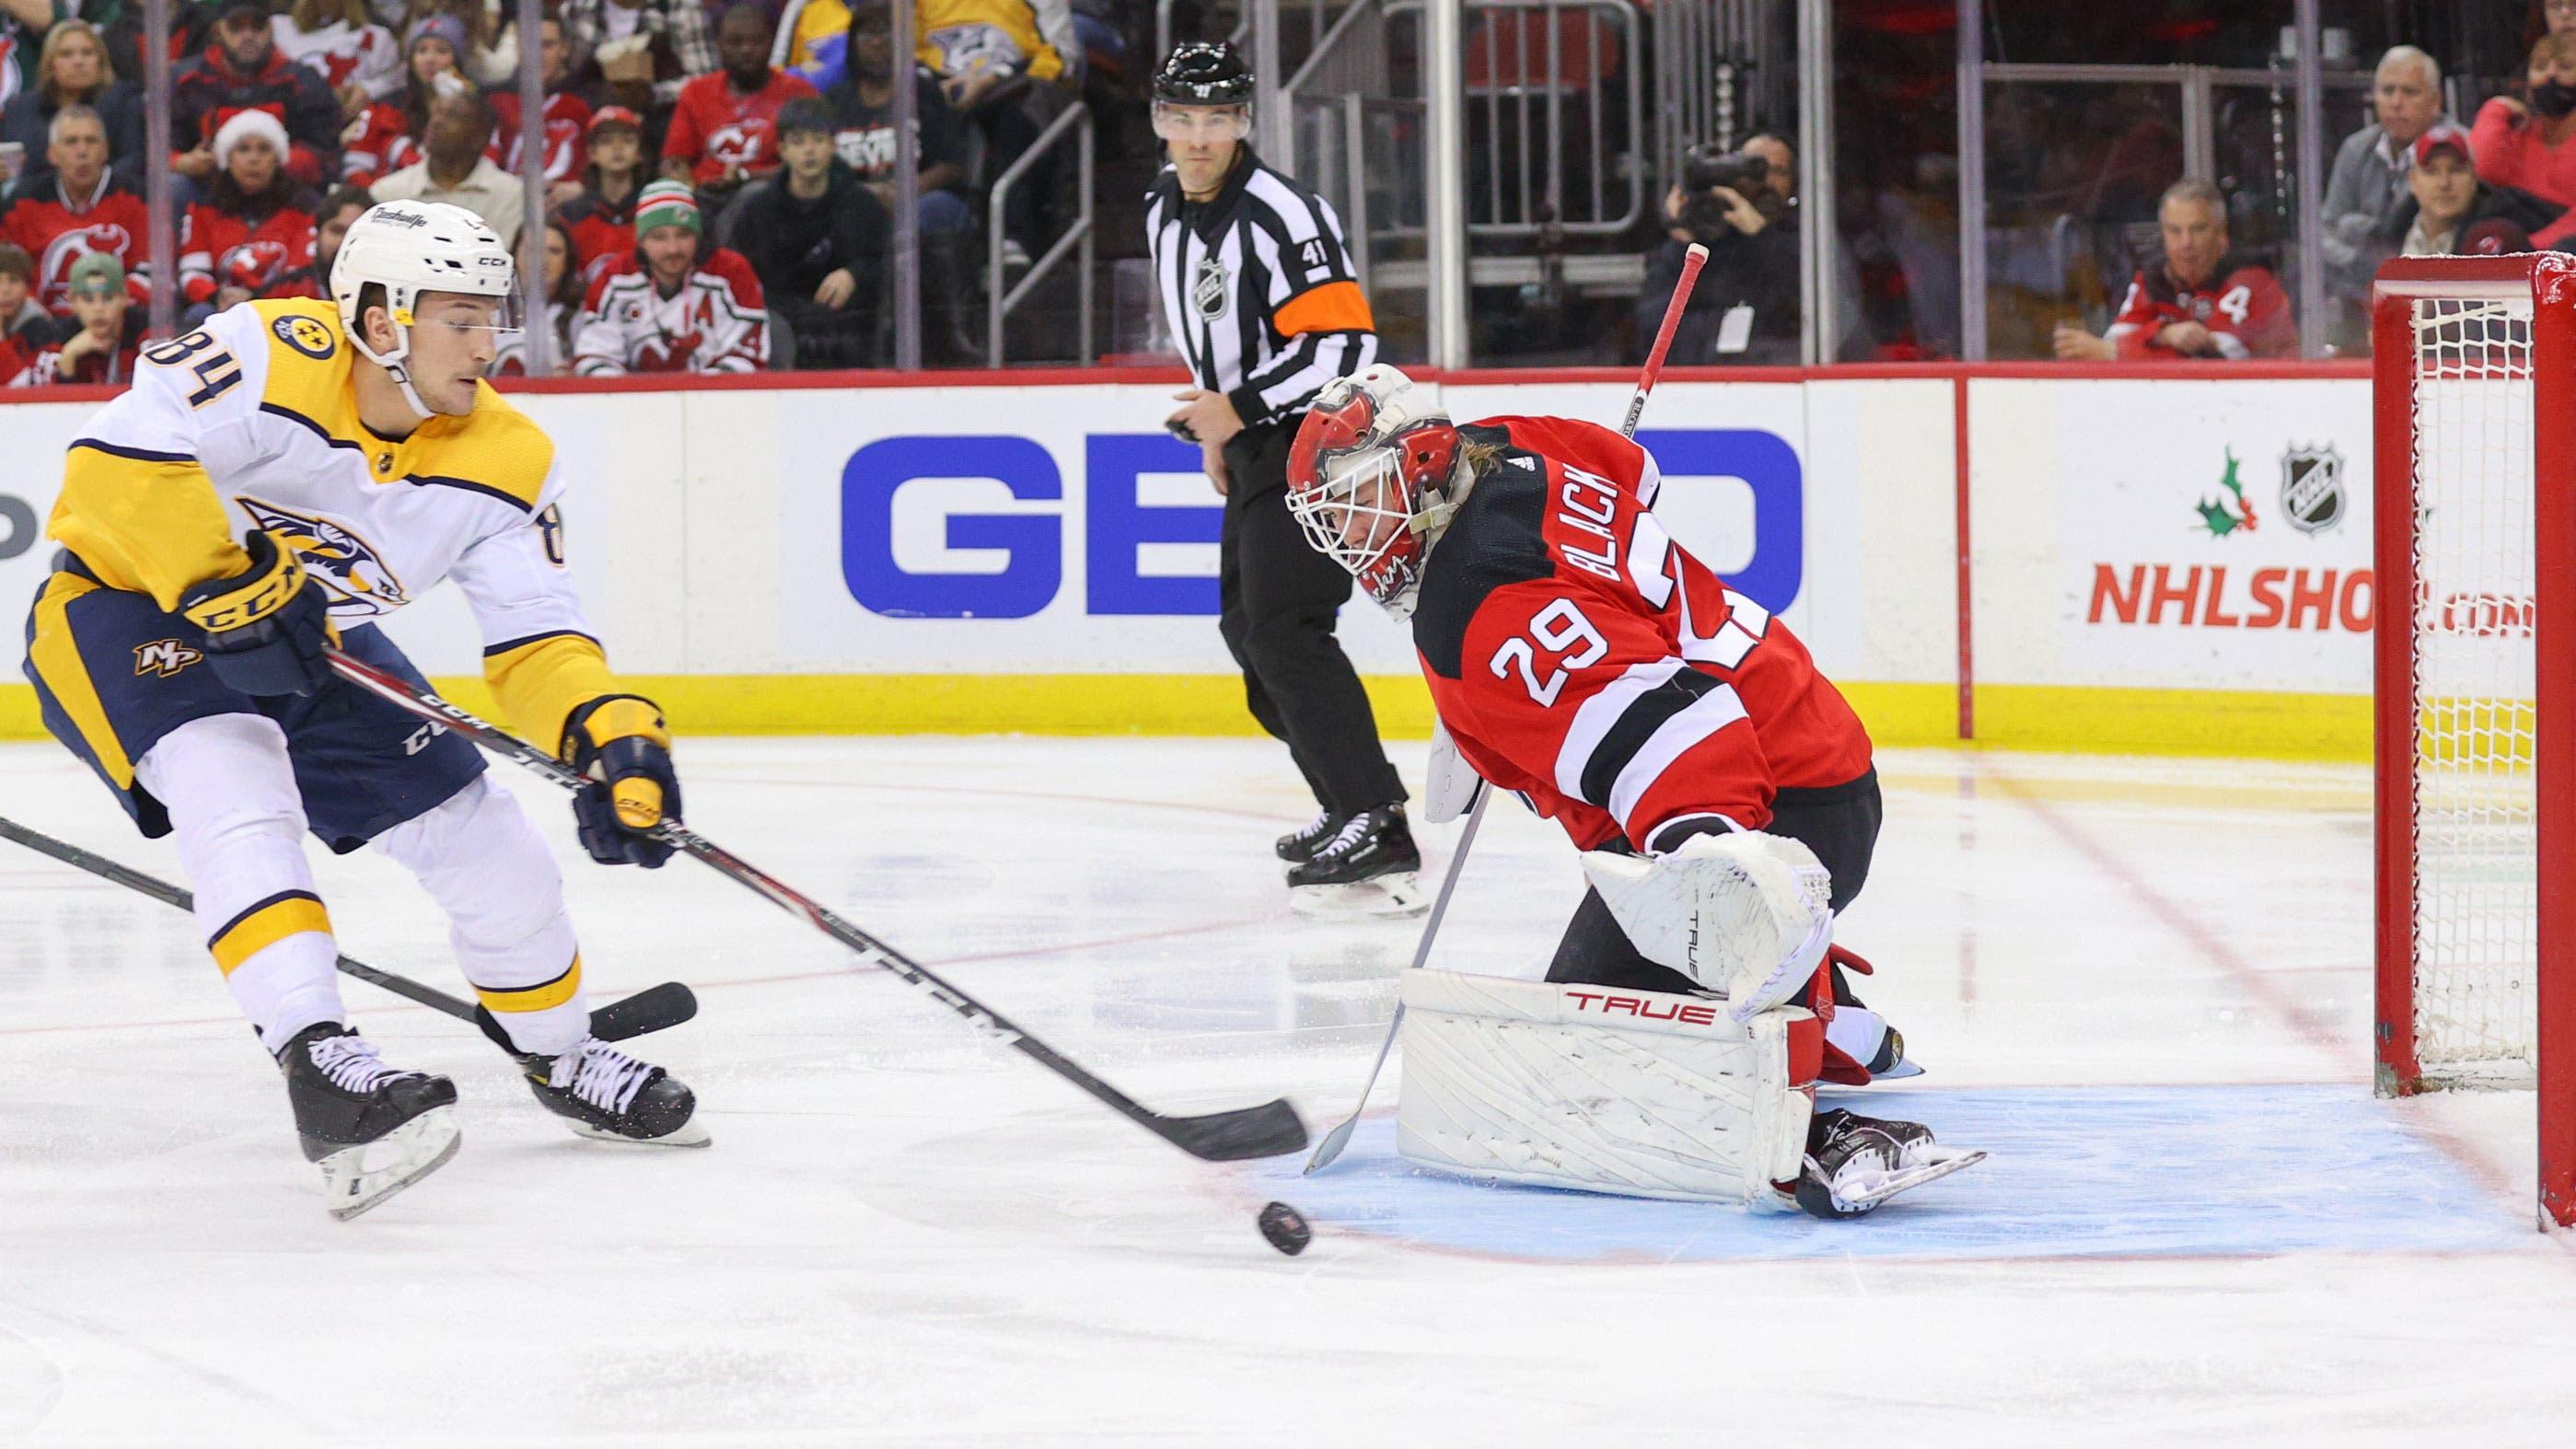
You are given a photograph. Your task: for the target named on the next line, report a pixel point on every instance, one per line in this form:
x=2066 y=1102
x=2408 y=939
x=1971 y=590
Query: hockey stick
x=652 y=1009
x=1264 y=1131
x=1340 y=1137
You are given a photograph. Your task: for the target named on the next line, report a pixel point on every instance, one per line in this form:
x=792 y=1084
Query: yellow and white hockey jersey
x=251 y=422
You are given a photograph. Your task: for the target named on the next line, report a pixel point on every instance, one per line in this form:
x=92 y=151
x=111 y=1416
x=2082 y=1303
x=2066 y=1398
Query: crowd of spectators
x=2411 y=182
x=719 y=174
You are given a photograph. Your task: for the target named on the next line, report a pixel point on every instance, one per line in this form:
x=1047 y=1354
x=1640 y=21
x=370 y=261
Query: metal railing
x=1076 y=121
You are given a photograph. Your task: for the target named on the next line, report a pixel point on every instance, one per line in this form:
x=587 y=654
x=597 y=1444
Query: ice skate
x=1300 y=846
x=1855 y=1163
x=372 y=1129
x=1368 y=868
x=603 y=1093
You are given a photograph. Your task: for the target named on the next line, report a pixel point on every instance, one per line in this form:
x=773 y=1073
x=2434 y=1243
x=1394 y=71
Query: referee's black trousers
x=1278 y=600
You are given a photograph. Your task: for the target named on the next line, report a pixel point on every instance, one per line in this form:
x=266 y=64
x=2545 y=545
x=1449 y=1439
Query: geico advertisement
x=1061 y=530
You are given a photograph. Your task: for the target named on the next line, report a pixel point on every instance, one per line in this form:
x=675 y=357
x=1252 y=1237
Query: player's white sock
x=238 y=824
x=480 y=857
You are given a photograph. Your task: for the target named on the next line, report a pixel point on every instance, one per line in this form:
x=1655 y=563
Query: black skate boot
x=372 y=1130
x=1300 y=848
x=1367 y=868
x=602 y=1092
x=1854 y=1163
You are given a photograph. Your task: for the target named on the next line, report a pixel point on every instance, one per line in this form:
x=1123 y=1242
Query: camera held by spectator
x=1746 y=308
x=1724 y=194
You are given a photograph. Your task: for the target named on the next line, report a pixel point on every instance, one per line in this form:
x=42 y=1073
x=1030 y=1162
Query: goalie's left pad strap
x=1641 y=1093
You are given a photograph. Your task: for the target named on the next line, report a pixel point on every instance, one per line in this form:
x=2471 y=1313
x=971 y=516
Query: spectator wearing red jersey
x=725 y=131
x=253 y=232
x=567 y=117
x=2199 y=299
x=243 y=69
x=344 y=204
x=386 y=137
x=358 y=59
x=677 y=304
x=642 y=51
x=602 y=218
x=101 y=349
x=82 y=208
x=2526 y=144
x=73 y=71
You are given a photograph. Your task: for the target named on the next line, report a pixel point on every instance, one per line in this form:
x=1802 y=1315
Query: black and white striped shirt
x=1258 y=288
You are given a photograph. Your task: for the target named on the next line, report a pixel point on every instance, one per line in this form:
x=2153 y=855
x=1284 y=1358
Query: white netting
x=2475 y=843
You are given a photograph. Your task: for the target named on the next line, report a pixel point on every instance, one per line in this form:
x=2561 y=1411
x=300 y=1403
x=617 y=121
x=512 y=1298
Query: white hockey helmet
x=414 y=247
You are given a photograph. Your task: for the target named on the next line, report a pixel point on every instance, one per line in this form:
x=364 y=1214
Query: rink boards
x=2031 y=557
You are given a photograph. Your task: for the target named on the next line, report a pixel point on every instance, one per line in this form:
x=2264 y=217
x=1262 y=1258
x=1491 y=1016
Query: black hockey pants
x=1278 y=599
x=1840 y=824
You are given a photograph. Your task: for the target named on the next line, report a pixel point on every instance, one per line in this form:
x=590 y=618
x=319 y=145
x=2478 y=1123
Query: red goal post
x=2474 y=400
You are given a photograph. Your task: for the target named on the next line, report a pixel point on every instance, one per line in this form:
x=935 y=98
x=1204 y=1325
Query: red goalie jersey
x=1582 y=659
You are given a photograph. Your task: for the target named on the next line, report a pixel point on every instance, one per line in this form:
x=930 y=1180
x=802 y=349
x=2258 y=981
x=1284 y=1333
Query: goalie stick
x=655 y=1008
x=1340 y=1137
x=1263 y=1131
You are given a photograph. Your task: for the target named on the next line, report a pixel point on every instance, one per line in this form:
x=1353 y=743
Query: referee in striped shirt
x=1260 y=294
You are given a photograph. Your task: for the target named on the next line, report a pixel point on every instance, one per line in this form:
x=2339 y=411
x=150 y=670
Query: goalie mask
x=1370 y=478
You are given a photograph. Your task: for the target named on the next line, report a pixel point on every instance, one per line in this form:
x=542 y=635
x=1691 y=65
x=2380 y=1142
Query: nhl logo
x=2312 y=488
x=1208 y=289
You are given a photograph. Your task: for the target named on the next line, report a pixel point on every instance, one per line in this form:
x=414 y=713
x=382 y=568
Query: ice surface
x=2144 y=986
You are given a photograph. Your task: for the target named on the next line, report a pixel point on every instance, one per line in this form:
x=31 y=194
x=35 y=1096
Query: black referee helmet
x=1203 y=73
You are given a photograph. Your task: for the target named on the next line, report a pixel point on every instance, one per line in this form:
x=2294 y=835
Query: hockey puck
x=1285 y=1228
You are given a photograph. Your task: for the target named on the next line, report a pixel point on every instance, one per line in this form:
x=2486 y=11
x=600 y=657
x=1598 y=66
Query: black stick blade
x=1269 y=1130
x=655 y=1008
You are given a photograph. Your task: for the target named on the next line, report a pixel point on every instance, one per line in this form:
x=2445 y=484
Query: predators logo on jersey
x=346 y=564
x=307 y=335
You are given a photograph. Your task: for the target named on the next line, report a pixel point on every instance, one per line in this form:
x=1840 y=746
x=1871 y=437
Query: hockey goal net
x=2475 y=401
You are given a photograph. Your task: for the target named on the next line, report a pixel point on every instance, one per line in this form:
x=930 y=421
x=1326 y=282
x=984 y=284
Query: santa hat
x=242 y=125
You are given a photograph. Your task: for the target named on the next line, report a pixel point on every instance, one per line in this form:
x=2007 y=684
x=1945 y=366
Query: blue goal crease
x=2177 y=1171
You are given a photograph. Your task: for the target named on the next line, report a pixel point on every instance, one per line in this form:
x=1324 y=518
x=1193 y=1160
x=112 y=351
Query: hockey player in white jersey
x=282 y=478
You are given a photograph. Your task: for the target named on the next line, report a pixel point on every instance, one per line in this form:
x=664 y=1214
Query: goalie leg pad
x=1743 y=914
x=1640 y=1093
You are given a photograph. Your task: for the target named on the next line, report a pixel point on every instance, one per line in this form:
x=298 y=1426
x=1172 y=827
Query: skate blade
x=1399 y=894
x=357 y=1178
x=691 y=1133
x=1888 y=1185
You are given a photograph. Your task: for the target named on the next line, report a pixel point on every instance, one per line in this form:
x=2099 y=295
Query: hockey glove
x=620 y=743
x=266 y=626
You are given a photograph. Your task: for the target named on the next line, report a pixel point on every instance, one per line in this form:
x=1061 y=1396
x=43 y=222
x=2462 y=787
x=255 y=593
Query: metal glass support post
x=537 y=344
x=1972 y=180
x=161 y=245
x=1816 y=232
x=2312 y=165
x=1445 y=103
x=1271 y=123
x=905 y=272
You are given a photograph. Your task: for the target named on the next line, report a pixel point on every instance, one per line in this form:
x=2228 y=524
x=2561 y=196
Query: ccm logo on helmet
x=1689 y=1014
